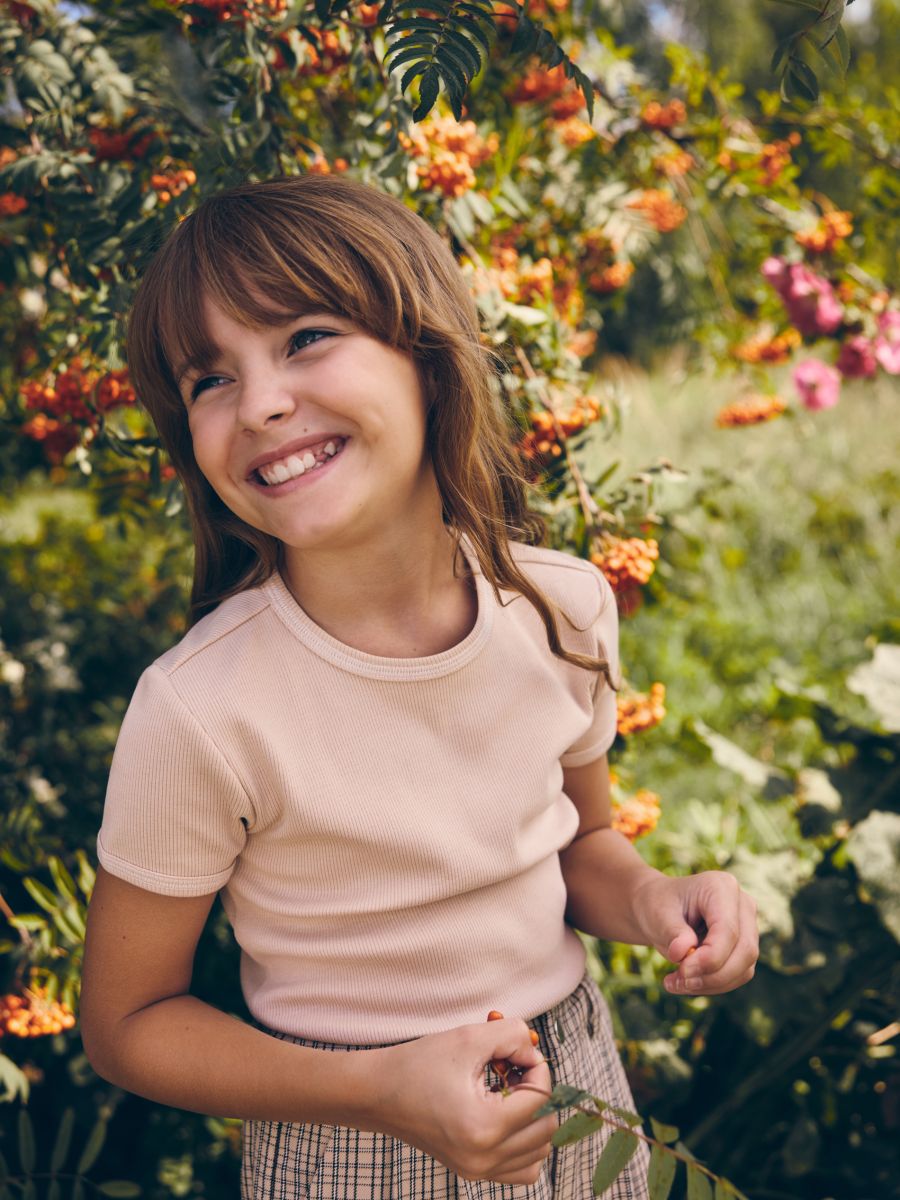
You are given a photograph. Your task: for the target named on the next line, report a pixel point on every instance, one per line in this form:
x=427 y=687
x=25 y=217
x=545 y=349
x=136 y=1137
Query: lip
x=289 y=448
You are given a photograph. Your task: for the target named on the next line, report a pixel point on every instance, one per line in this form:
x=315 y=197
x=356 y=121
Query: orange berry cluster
x=663 y=116
x=367 y=14
x=172 y=183
x=636 y=815
x=57 y=438
x=319 y=165
x=752 y=410
x=111 y=145
x=831 y=229
x=763 y=348
x=660 y=209
x=640 y=710
x=452 y=150
x=80 y=394
x=11 y=204
x=33 y=1014
x=543 y=439
x=244 y=10
x=772 y=159
x=540 y=86
x=611 y=278
x=679 y=162
x=626 y=562
x=73 y=401
x=574 y=132
x=327 y=56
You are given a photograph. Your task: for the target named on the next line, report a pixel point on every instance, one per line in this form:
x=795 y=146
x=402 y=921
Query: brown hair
x=314 y=242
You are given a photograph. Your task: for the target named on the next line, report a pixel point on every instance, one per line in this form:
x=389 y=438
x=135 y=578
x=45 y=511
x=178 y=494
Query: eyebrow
x=197 y=362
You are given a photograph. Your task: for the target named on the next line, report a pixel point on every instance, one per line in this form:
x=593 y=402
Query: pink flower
x=887 y=344
x=811 y=303
x=809 y=299
x=818 y=385
x=857 y=358
x=774 y=269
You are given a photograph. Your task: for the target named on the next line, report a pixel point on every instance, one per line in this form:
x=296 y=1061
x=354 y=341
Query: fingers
x=727 y=956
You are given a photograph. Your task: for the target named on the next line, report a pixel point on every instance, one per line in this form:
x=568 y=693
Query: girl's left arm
x=703 y=922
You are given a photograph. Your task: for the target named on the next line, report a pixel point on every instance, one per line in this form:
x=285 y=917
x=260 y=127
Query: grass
x=780 y=560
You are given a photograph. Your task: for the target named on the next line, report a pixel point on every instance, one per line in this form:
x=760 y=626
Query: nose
x=264 y=400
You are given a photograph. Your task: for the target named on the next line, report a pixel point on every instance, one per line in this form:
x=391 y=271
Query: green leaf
x=579 y=1125
x=563 y=1096
x=843 y=47
x=698 y=1185
x=663 y=1133
x=616 y=1154
x=61 y=877
x=118 y=1187
x=92 y=1148
x=801 y=80
x=661 y=1173
x=41 y=894
x=26 y=1142
x=408 y=76
x=63 y=1140
x=428 y=93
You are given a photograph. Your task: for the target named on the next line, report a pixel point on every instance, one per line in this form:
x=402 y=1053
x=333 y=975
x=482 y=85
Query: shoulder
x=219 y=636
x=572 y=584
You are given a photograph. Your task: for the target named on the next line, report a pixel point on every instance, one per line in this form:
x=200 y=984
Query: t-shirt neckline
x=376 y=666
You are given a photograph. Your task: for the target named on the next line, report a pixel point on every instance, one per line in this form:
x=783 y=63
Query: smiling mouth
x=292 y=466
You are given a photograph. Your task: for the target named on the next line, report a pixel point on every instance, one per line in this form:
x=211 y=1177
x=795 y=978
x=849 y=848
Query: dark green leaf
x=801 y=80
x=782 y=50
x=662 y=1133
x=843 y=47
x=63 y=1140
x=26 y=1141
x=661 y=1173
x=118 y=1187
x=563 y=1096
x=92 y=1148
x=428 y=93
x=418 y=53
x=579 y=1125
x=466 y=48
x=613 y=1160
x=698 y=1185
x=408 y=76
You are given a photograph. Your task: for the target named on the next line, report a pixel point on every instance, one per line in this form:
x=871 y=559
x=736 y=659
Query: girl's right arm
x=143 y=1031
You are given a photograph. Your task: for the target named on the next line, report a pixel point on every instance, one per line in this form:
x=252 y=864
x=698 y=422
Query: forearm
x=603 y=873
x=187 y=1054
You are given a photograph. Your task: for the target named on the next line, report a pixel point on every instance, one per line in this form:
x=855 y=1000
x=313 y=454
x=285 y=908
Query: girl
x=383 y=739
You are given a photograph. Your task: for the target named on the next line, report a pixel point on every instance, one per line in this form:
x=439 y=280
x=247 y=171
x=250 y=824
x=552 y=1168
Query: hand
x=432 y=1095
x=706 y=924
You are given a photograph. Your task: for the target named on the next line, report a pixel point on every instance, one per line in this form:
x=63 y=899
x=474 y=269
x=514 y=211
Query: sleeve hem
x=155 y=881
x=580 y=758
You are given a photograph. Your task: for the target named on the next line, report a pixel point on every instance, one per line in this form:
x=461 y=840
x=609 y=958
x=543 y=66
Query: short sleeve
x=601 y=733
x=175 y=816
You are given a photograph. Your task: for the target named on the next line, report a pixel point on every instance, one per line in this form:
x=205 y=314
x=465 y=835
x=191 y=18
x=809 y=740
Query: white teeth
x=294 y=465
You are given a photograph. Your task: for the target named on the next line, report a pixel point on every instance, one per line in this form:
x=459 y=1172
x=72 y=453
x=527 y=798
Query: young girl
x=383 y=740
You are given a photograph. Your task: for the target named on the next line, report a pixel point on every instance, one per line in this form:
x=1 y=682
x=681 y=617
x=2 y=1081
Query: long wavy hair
x=314 y=243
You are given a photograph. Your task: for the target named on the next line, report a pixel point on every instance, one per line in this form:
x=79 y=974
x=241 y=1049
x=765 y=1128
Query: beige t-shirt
x=384 y=831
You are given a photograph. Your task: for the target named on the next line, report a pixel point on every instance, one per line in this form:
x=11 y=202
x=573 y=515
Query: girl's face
x=311 y=431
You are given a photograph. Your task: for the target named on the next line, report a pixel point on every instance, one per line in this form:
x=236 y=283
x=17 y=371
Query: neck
x=398 y=598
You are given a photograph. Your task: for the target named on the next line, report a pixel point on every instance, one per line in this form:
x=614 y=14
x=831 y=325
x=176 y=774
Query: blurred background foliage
x=746 y=512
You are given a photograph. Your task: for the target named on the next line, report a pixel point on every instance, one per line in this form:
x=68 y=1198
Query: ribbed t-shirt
x=384 y=832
